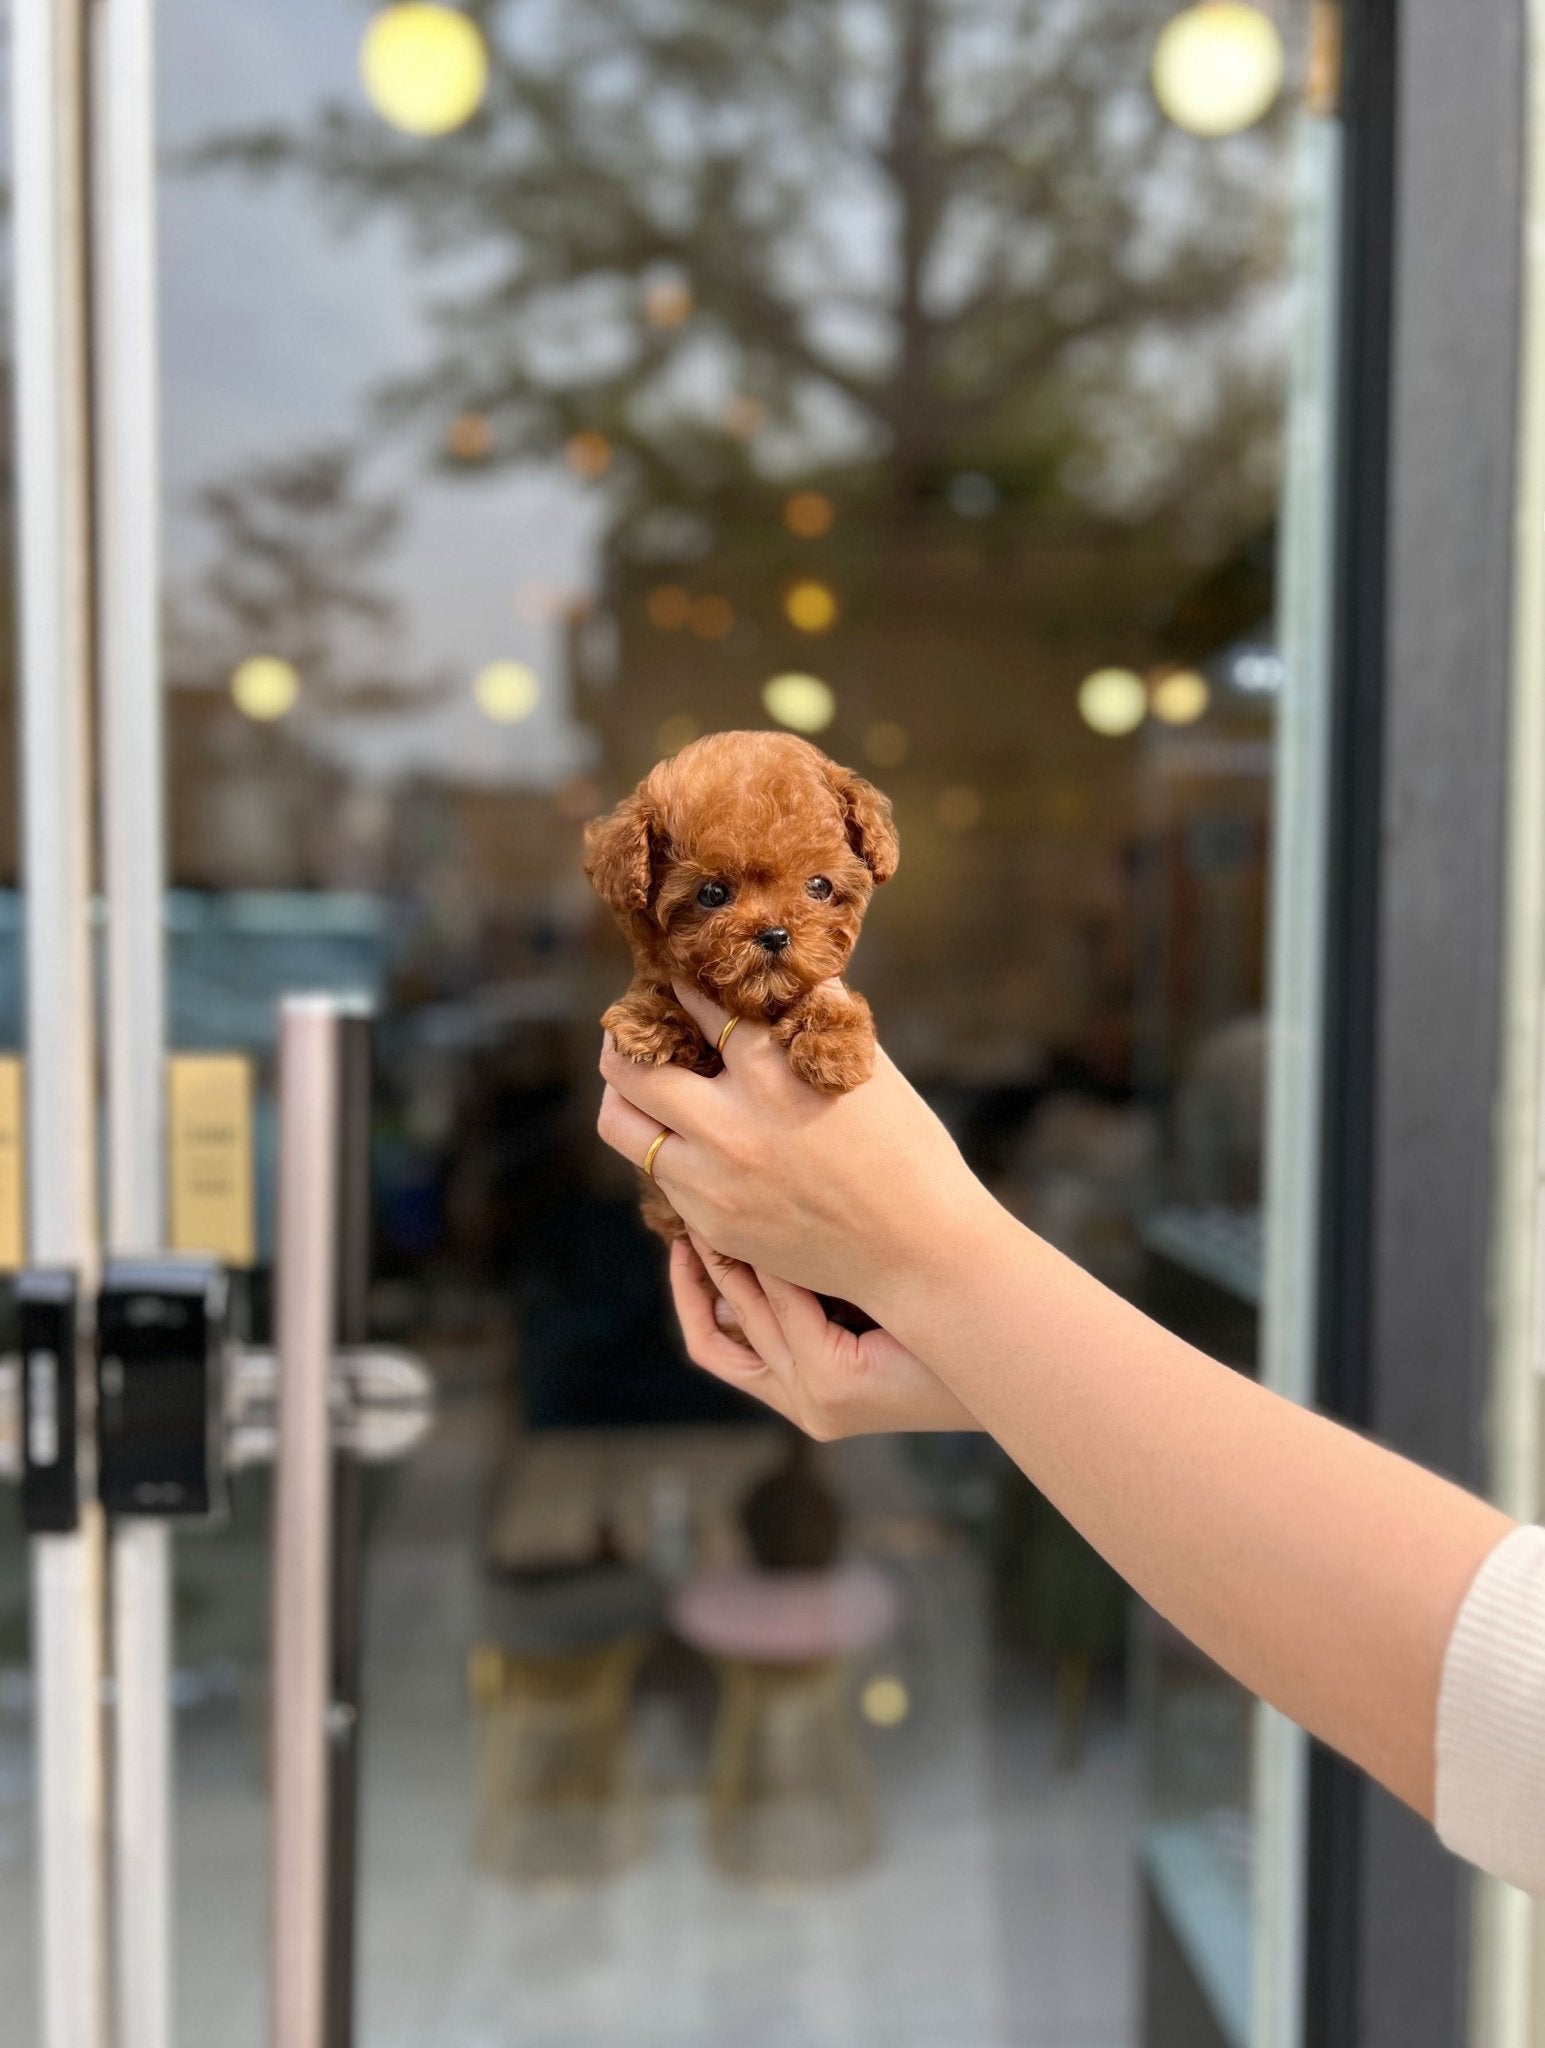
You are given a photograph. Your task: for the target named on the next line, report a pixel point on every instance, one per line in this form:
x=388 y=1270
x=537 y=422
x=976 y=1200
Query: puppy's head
x=744 y=864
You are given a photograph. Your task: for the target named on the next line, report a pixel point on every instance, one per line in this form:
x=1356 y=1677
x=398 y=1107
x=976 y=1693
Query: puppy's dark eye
x=819 y=888
x=713 y=895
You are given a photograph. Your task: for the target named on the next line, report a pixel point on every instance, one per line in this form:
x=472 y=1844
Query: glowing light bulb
x=537 y=601
x=887 y=744
x=885 y=1702
x=264 y=687
x=712 y=618
x=506 y=691
x=811 y=607
x=588 y=453
x=1181 y=697
x=425 y=67
x=675 y=732
x=578 y=798
x=803 y=703
x=1112 y=701
x=1217 y=67
x=744 y=416
x=668 y=302
x=809 y=514
x=669 y=607
x=470 y=436
x=959 y=807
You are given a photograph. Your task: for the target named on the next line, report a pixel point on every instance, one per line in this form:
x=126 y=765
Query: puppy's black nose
x=773 y=940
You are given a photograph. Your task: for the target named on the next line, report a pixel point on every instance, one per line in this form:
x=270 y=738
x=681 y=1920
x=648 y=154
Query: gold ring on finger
x=724 y=1036
x=654 y=1146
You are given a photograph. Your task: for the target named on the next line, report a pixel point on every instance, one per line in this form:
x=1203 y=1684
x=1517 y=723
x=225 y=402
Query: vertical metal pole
x=352 y=1327
x=1300 y=884
x=54 y=574
x=133 y=842
x=301 y=1667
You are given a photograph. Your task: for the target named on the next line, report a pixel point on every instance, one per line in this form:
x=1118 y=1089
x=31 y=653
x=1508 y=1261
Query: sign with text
x=210 y=1158
x=13 y=1165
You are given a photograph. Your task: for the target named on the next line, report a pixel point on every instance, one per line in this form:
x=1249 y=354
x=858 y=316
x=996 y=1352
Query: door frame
x=1416 y=919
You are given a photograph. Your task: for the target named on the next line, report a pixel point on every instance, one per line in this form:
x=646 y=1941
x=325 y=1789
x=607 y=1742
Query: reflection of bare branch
x=983 y=185
x=298 y=545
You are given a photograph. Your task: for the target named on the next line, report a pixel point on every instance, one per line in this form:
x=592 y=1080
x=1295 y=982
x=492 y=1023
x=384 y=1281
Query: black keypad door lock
x=46 y=1320
x=161 y=1387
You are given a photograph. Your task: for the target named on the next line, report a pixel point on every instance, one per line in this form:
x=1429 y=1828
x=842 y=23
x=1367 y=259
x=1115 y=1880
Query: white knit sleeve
x=1490 y=1794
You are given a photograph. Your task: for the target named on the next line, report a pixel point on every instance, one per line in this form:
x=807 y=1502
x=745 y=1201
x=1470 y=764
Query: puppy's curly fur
x=740 y=838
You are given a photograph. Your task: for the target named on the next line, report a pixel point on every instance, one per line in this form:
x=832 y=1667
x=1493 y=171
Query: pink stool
x=789 y=1798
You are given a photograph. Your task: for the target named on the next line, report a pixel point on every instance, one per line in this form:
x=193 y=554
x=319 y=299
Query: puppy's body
x=744 y=865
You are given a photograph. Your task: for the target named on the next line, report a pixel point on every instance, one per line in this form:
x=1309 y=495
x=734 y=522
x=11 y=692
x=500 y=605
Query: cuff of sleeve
x=1490 y=1780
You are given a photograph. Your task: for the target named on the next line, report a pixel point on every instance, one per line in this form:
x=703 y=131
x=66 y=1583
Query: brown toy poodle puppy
x=744 y=865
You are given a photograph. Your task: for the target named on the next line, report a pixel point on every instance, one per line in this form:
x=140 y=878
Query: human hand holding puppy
x=740 y=870
x=789 y=1193
x=826 y=1379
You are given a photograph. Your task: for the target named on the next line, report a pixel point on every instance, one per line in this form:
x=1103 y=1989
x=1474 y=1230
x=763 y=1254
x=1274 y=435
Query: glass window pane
x=548 y=385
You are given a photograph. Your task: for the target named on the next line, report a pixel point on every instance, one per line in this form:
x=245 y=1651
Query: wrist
x=935 y=1261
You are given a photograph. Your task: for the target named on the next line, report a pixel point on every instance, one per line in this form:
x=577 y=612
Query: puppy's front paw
x=830 y=1041
x=653 y=1035
x=833 y=1061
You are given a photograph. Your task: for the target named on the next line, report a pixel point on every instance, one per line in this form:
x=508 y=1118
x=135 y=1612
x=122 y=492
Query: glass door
x=544 y=385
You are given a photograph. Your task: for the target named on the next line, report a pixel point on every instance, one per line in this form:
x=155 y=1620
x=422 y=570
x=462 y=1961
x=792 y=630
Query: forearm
x=1322 y=1571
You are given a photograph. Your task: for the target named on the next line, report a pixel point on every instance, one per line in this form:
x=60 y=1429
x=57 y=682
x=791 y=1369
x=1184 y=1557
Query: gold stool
x=789 y=1799
x=559 y=1798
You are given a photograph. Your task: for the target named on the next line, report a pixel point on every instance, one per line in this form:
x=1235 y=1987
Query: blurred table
x=563 y=1488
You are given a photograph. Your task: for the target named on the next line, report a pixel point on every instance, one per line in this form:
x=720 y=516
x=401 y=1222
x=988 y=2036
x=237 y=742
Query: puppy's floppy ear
x=619 y=854
x=867 y=813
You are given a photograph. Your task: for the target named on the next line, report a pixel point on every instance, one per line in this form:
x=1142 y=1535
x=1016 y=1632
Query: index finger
x=707 y=1345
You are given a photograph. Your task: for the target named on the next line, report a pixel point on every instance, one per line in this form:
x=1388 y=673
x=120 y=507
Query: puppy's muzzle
x=774 y=940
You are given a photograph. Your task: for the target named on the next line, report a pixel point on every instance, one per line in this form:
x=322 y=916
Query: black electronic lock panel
x=160 y=1387
x=46 y=1327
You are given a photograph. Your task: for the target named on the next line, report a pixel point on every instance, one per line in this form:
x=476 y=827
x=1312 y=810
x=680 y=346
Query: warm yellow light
x=669 y=607
x=668 y=302
x=712 y=618
x=506 y=691
x=578 y=798
x=1112 y=701
x=1217 y=67
x=959 y=807
x=470 y=436
x=810 y=606
x=809 y=514
x=885 y=1702
x=675 y=732
x=1181 y=697
x=744 y=416
x=265 y=687
x=425 y=67
x=887 y=744
x=588 y=453
x=804 y=703
x=535 y=601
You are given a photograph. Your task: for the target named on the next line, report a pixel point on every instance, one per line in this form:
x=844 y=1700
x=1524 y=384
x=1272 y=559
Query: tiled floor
x=1000 y=1914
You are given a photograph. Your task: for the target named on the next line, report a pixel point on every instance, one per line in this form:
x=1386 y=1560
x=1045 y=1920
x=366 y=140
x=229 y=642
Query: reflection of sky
x=276 y=326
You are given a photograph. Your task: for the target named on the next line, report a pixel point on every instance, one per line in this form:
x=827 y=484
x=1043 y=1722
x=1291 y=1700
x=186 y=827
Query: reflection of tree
x=295 y=542
x=900 y=238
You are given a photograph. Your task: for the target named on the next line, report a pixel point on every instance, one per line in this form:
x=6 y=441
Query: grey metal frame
x=126 y=448
x=48 y=66
x=1435 y=101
